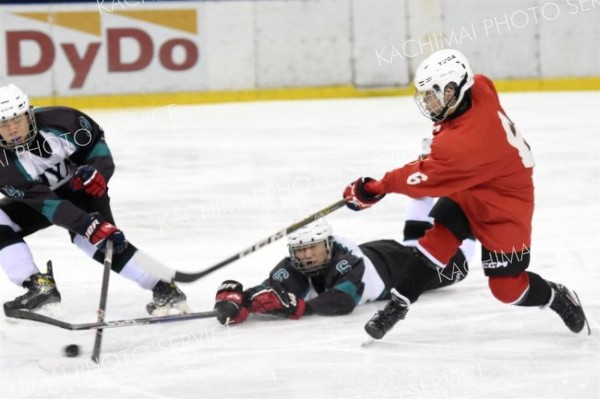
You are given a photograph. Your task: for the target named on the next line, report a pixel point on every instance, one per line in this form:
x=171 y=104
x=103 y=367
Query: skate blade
x=176 y=309
x=589 y=330
x=53 y=310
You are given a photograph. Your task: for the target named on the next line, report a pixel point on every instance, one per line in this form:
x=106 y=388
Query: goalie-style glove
x=275 y=300
x=229 y=302
x=358 y=197
x=89 y=179
x=98 y=232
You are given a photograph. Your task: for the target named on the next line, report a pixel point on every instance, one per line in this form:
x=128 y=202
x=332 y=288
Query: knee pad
x=509 y=289
x=448 y=213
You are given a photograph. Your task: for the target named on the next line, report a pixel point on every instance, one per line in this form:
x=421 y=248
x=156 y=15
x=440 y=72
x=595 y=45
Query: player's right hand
x=99 y=232
x=358 y=197
x=88 y=179
x=229 y=302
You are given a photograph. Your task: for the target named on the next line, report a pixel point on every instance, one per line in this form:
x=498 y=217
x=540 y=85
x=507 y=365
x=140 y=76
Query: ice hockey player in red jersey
x=326 y=274
x=482 y=168
x=55 y=167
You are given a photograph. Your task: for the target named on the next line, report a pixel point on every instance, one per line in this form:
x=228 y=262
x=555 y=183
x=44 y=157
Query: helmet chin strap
x=442 y=114
x=463 y=107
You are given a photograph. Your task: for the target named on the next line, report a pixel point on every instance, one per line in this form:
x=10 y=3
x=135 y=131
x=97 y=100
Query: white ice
x=195 y=184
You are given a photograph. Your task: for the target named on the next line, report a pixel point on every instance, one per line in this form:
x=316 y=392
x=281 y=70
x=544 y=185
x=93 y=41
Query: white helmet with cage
x=311 y=235
x=16 y=119
x=442 y=80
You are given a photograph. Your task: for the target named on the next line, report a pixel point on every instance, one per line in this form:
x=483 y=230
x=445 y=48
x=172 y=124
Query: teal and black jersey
x=349 y=280
x=356 y=274
x=35 y=174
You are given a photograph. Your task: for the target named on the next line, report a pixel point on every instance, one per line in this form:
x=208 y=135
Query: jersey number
x=416 y=178
x=516 y=140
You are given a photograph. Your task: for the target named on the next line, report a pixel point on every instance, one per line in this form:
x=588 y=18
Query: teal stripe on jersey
x=349 y=289
x=49 y=208
x=99 y=150
x=63 y=135
x=22 y=170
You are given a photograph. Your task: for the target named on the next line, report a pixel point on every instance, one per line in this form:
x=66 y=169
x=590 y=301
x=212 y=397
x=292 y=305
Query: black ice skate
x=385 y=319
x=566 y=303
x=41 y=293
x=167 y=299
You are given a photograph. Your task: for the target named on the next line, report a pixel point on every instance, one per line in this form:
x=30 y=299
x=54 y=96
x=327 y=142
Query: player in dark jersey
x=54 y=168
x=482 y=168
x=329 y=275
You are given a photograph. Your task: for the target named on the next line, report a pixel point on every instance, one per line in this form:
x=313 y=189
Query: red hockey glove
x=98 y=232
x=359 y=195
x=89 y=179
x=229 y=302
x=275 y=300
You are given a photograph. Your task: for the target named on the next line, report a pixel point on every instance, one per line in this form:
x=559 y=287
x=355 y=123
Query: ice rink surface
x=195 y=184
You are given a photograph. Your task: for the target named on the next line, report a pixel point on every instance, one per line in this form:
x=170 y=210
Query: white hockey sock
x=419 y=208
x=134 y=272
x=468 y=248
x=17 y=262
x=83 y=244
x=138 y=269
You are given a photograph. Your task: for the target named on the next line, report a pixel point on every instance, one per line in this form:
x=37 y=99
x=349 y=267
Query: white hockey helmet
x=14 y=104
x=316 y=232
x=439 y=72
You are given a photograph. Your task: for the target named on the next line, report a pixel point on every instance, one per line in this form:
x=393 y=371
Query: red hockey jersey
x=479 y=160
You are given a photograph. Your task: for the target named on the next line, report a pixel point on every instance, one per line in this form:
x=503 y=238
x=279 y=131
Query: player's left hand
x=229 y=302
x=98 y=232
x=89 y=179
x=275 y=300
x=358 y=196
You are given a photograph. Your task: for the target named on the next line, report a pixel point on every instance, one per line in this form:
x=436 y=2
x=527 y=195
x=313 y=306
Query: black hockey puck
x=72 y=350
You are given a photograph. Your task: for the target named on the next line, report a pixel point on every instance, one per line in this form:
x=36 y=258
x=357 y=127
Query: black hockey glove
x=229 y=302
x=357 y=197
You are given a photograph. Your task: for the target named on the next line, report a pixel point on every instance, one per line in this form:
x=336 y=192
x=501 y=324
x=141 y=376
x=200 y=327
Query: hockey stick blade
x=27 y=315
x=190 y=277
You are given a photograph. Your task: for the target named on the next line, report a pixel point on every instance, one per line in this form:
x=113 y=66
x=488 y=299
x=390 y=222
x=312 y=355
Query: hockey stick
x=27 y=315
x=103 y=297
x=189 y=277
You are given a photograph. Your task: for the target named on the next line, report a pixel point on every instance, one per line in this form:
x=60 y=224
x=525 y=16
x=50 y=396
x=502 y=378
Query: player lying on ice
x=481 y=167
x=55 y=169
x=329 y=275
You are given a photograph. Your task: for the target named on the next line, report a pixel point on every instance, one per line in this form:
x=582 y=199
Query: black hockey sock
x=421 y=272
x=539 y=292
x=415 y=229
x=9 y=237
x=119 y=260
x=455 y=271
